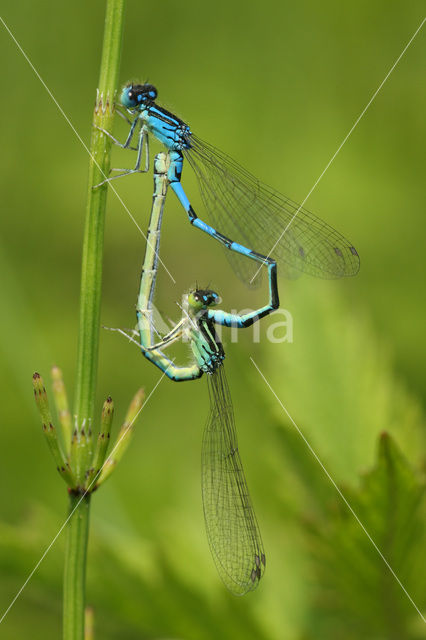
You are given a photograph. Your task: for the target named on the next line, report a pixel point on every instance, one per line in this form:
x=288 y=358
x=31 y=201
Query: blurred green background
x=278 y=86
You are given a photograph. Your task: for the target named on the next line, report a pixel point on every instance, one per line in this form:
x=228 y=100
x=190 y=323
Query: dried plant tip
x=102 y=443
x=89 y=620
x=49 y=431
x=135 y=406
x=41 y=399
x=124 y=437
x=107 y=469
x=62 y=407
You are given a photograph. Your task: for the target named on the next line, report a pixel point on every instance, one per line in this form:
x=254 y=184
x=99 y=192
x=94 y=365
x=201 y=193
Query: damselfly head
x=203 y=298
x=134 y=95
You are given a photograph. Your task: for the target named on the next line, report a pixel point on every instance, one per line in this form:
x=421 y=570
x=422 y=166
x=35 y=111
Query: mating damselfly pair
x=253 y=216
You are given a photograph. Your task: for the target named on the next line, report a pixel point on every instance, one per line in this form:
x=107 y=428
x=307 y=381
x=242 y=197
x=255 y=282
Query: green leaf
x=337 y=382
x=356 y=594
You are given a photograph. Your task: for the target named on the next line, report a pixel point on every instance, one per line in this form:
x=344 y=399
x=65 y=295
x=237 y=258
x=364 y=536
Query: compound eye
x=128 y=98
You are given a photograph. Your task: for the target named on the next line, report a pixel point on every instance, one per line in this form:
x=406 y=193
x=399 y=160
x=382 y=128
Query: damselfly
x=231 y=524
x=251 y=214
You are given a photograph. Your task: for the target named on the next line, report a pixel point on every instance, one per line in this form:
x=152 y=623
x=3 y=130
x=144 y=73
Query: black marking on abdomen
x=192 y=215
x=262 y=257
x=226 y=241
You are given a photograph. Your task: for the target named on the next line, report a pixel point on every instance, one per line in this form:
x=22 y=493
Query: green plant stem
x=75 y=567
x=90 y=300
x=91 y=277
